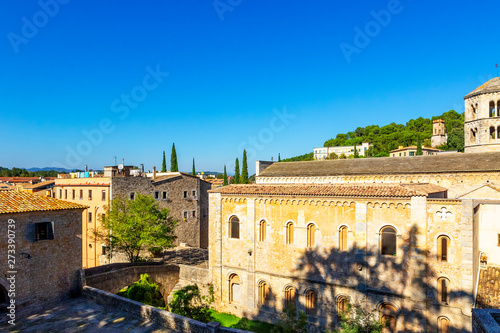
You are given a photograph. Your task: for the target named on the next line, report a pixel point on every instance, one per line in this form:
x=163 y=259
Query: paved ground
x=81 y=315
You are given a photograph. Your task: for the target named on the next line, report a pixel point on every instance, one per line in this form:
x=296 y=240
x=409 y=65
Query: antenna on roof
x=496 y=65
x=115 y=161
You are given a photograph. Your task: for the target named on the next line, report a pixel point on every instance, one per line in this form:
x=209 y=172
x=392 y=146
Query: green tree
x=356 y=153
x=358 y=320
x=419 y=147
x=236 y=179
x=342 y=156
x=144 y=291
x=244 y=169
x=174 y=167
x=332 y=156
x=188 y=302
x=130 y=226
x=164 y=163
x=291 y=322
x=225 y=177
x=194 y=170
x=456 y=140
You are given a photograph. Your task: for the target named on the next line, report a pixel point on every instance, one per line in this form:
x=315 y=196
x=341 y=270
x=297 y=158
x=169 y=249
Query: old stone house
x=41 y=246
x=186 y=197
x=400 y=236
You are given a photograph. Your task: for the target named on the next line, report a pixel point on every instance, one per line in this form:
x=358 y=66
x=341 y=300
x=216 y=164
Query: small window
x=185 y=194
x=164 y=197
x=290 y=298
x=185 y=214
x=132 y=195
x=74 y=194
x=157 y=195
x=81 y=194
x=263 y=292
x=65 y=194
x=194 y=213
x=262 y=231
x=194 y=193
x=443 y=288
x=103 y=195
x=90 y=194
x=60 y=194
x=234 y=227
x=388 y=241
x=311 y=302
x=389 y=314
x=103 y=249
x=443 y=244
x=343 y=239
x=443 y=325
x=311 y=235
x=44 y=230
x=289 y=233
x=498 y=239
x=90 y=217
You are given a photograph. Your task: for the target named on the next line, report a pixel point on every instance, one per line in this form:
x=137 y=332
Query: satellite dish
x=120 y=166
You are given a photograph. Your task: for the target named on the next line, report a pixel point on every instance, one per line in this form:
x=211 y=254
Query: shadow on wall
x=402 y=288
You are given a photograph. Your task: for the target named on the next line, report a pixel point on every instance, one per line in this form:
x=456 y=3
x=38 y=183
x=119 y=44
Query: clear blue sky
x=232 y=67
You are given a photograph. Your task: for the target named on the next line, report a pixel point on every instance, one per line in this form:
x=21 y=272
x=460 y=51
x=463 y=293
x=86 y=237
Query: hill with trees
x=389 y=137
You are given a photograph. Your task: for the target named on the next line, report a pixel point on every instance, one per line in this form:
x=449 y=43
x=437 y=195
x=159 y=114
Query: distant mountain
x=50 y=169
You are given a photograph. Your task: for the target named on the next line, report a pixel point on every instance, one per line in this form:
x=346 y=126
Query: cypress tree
x=173 y=160
x=279 y=157
x=194 y=170
x=244 y=169
x=225 y=177
x=419 y=147
x=236 y=172
x=164 y=164
x=356 y=154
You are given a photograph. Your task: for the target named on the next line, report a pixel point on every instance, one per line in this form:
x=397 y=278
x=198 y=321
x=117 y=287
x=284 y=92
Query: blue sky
x=85 y=81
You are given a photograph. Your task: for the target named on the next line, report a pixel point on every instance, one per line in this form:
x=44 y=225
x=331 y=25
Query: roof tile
x=19 y=202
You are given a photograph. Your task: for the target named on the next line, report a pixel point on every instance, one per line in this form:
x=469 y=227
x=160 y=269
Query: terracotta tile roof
x=441 y=163
x=38 y=185
x=18 y=202
x=334 y=190
x=488 y=295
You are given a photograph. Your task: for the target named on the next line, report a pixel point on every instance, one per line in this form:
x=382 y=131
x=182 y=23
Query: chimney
x=154 y=173
x=86 y=168
x=123 y=161
x=142 y=168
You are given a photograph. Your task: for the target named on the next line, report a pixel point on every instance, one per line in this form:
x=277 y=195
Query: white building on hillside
x=322 y=153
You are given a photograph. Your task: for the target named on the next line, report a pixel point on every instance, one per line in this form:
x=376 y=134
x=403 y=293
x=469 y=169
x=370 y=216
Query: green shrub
x=188 y=302
x=144 y=291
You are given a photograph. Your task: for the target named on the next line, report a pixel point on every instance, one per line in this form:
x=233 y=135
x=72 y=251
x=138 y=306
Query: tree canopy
x=244 y=169
x=164 y=163
x=130 y=226
x=174 y=167
x=236 y=179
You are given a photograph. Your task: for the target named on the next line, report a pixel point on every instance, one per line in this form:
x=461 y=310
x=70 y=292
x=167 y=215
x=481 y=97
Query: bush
x=291 y=322
x=144 y=291
x=189 y=303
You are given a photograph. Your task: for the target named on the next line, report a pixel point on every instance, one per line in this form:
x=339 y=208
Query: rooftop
x=491 y=86
x=414 y=147
x=337 y=190
x=20 y=202
x=442 y=163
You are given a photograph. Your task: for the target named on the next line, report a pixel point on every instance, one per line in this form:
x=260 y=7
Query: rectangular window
x=65 y=194
x=103 y=195
x=194 y=213
x=74 y=194
x=90 y=217
x=157 y=195
x=132 y=195
x=185 y=215
x=498 y=239
x=90 y=194
x=185 y=194
x=60 y=194
x=81 y=194
x=44 y=230
x=164 y=195
x=103 y=249
x=194 y=193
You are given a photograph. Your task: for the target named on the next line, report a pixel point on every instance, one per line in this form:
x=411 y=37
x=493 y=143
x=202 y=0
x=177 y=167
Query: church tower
x=482 y=118
x=439 y=136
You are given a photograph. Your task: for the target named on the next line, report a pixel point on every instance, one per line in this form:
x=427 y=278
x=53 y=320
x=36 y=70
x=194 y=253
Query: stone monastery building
x=415 y=238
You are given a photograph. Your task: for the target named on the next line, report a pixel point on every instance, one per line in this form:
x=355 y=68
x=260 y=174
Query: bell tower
x=482 y=118
x=439 y=136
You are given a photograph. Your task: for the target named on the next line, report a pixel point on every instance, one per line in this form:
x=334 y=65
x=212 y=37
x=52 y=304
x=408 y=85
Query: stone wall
x=160 y=317
x=47 y=270
x=112 y=278
x=186 y=198
x=488 y=293
x=485 y=321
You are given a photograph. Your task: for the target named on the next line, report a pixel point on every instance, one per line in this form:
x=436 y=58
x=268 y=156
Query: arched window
x=492 y=109
x=443 y=245
x=263 y=292
x=443 y=289
x=234 y=227
x=389 y=314
x=289 y=233
x=234 y=288
x=311 y=233
x=289 y=297
x=262 y=231
x=311 y=302
x=498 y=132
x=443 y=325
x=388 y=241
x=492 y=133
x=342 y=306
x=343 y=239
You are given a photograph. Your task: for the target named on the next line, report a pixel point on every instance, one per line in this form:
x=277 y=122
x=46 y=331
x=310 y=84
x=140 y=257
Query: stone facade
x=46 y=269
x=184 y=195
x=407 y=281
x=482 y=118
x=439 y=136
